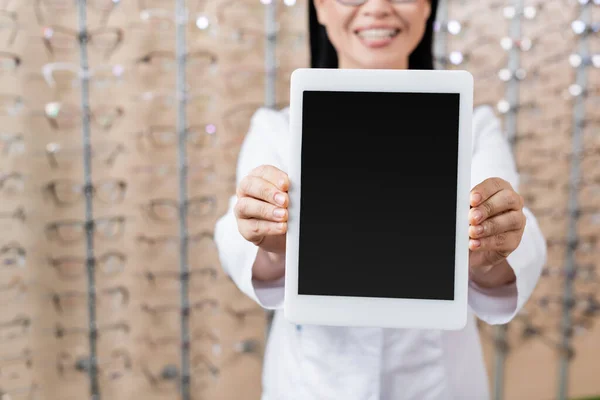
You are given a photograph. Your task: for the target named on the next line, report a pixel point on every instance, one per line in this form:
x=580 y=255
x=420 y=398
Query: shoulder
x=268 y=135
x=483 y=117
x=271 y=120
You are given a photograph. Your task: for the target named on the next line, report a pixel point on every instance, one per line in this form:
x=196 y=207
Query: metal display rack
x=577 y=148
x=92 y=367
x=271 y=29
x=510 y=130
x=440 y=45
x=181 y=25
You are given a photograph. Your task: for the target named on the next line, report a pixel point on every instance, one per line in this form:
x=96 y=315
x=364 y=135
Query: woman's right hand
x=261 y=209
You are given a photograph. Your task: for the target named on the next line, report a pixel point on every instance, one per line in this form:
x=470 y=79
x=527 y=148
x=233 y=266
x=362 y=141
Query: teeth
x=378 y=33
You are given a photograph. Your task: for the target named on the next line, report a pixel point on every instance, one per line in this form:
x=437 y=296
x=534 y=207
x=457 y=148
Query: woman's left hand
x=496 y=227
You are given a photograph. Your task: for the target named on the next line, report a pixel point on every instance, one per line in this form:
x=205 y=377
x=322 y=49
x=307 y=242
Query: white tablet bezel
x=366 y=311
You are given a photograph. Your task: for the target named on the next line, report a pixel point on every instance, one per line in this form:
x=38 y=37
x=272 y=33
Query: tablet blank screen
x=378 y=198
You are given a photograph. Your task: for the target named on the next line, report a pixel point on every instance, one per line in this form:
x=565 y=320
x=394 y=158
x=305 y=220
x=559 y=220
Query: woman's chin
x=380 y=56
x=383 y=61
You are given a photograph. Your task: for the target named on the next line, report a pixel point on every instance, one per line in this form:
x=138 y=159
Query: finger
x=250 y=208
x=253 y=186
x=502 y=244
x=487 y=189
x=502 y=201
x=255 y=230
x=273 y=175
x=508 y=221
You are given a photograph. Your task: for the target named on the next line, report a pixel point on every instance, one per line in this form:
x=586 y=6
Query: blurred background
x=113 y=110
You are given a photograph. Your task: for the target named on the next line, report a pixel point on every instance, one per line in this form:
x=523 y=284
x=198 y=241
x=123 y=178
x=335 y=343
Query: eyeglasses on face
x=361 y=2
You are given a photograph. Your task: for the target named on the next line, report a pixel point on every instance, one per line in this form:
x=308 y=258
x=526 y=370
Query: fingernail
x=475 y=198
x=280 y=199
x=282 y=183
x=477 y=215
x=279 y=212
x=478 y=229
x=475 y=243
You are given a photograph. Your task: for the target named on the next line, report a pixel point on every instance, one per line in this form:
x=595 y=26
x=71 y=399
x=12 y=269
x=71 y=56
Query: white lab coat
x=313 y=362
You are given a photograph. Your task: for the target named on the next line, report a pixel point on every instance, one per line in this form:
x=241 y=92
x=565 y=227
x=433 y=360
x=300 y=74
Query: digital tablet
x=380 y=173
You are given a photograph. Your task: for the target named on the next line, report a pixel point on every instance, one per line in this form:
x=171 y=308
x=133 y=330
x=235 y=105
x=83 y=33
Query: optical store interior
x=113 y=111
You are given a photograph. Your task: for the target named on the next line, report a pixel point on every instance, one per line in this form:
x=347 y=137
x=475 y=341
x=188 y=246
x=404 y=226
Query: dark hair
x=323 y=54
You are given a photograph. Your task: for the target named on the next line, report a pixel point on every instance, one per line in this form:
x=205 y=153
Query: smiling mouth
x=376 y=34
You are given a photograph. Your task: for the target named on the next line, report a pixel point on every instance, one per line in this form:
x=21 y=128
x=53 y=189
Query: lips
x=378 y=33
x=377 y=37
